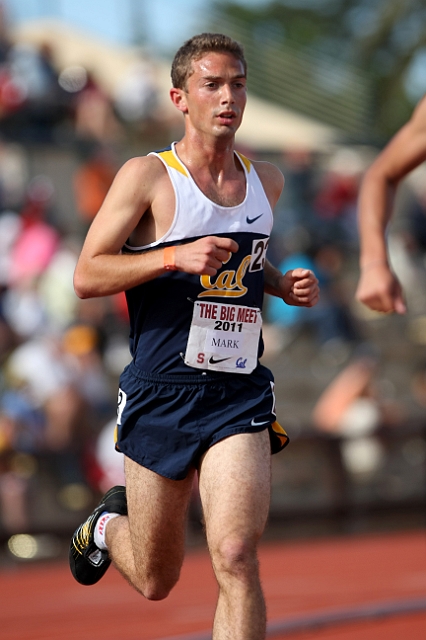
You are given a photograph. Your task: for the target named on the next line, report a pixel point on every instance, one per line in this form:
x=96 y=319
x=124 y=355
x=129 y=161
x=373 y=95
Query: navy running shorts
x=166 y=423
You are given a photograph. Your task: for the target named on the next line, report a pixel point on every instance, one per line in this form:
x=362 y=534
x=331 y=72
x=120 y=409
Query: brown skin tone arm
x=378 y=287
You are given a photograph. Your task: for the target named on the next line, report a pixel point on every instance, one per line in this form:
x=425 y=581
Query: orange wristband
x=169 y=259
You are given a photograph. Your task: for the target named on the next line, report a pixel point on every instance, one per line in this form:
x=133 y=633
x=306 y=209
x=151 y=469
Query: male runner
x=378 y=286
x=184 y=232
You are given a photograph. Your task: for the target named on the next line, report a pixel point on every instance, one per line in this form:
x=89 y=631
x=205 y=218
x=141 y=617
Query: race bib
x=224 y=337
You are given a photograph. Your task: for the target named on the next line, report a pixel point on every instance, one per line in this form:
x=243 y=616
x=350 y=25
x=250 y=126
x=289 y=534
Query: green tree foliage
x=360 y=52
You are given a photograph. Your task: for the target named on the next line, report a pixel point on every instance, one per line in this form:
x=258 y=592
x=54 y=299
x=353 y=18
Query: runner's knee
x=236 y=557
x=155 y=587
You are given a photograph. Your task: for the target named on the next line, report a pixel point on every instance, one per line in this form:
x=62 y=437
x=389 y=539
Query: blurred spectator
x=12 y=100
x=81 y=344
x=330 y=318
x=13 y=175
x=336 y=200
x=417 y=386
x=295 y=207
x=32 y=102
x=108 y=468
x=108 y=315
x=38 y=241
x=42 y=417
x=23 y=309
x=55 y=286
x=8 y=340
x=136 y=94
x=32 y=244
x=10 y=229
x=40 y=375
x=14 y=485
x=94 y=115
x=31 y=71
x=351 y=407
x=92 y=179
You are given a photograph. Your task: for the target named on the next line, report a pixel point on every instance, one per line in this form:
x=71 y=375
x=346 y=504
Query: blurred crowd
x=40 y=102
x=60 y=357
x=315 y=228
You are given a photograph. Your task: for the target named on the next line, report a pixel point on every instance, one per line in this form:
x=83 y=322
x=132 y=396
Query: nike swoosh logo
x=251 y=220
x=215 y=361
x=258 y=424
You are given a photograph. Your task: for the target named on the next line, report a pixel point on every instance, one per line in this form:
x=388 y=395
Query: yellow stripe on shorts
x=281 y=437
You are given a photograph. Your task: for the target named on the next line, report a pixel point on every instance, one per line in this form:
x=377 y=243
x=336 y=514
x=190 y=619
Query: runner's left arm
x=297 y=287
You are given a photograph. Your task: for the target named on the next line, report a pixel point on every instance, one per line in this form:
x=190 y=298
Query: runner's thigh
x=157 y=510
x=235 y=481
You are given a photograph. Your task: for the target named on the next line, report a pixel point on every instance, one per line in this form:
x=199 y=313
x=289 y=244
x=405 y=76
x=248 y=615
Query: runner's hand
x=205 y=256
x=299 y=287
x=380 y=290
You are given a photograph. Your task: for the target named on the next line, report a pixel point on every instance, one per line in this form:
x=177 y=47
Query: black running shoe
x=88 y=563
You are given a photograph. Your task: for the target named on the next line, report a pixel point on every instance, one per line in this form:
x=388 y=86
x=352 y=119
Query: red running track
x=314 y=590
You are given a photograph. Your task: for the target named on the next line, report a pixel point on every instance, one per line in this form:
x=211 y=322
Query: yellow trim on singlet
x=246 y=162
x=171 y=160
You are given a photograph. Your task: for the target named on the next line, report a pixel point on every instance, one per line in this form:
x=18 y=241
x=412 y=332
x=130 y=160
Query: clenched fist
x=204 y=256
x=299 y=287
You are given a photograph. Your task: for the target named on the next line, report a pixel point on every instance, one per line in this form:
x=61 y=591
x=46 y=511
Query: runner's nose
x=227 y=94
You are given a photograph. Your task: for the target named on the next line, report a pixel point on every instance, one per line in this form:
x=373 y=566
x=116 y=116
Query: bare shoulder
x=272 y=179
x=135 y=187
x=137 y=184
x=141 y=171
x=268 y=172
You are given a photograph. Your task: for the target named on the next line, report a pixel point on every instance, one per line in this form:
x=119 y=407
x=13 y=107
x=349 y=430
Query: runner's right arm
x=138 y=188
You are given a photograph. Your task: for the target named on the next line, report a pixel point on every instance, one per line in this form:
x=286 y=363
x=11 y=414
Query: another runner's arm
x=103 y=270
x=378 y=288
x=403 y=153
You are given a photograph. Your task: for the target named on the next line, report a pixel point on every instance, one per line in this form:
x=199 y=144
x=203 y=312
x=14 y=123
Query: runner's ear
x=178 y=98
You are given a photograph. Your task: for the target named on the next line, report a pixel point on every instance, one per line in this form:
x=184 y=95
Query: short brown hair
x=196 y=48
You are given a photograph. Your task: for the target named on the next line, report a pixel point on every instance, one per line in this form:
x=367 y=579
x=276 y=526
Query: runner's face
x=216 y=94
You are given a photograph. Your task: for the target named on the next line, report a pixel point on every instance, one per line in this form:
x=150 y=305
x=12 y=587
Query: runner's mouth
x=227 y=116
